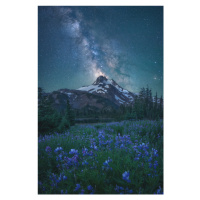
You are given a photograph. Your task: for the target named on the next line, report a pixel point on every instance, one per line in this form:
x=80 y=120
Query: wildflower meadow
x=114 y=158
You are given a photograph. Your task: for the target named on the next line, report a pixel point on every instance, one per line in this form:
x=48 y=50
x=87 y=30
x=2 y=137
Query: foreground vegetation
x=116 y=158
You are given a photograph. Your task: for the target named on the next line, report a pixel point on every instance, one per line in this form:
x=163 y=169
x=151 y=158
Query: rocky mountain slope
x=103 y=94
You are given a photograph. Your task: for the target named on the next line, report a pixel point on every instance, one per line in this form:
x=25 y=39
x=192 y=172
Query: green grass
x=123 y=151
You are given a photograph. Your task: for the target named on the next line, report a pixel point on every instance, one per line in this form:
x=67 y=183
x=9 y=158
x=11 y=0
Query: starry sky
x=78 y=44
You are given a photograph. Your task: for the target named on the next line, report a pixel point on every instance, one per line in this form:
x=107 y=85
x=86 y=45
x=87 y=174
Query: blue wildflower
x=78 y=186
x=82 y=191
x=155 y=152
x=95 y=147
x=155 y=164
x=118 y=188
x=125 y=176
x=58 y=149
x=150 y=159
x=85 y=163
x=59 y=157
x=62 y=192
x=130 y=191
x=89 y=187
x=159 y=191
x=73 y=151
x=106 y=164
x=48 y=149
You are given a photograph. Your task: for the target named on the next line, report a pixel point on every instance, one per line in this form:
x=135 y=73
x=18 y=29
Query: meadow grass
x=115 y=158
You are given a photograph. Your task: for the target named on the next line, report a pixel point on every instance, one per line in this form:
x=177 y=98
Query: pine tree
x=161 y=107
x=48 y=118
x=156 y=101
x=64 y=124
x=69 y=114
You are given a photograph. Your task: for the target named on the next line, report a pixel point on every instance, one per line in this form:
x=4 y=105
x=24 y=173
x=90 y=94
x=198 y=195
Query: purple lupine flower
x=130 y=191
x=150 y=159
x=159 y=191
x=58 y=149
x=90 y=153
x=155 y=164
x=59 y=157
x=56 y=179
x=117 y=188
x=85 y=163
x=64 y=178
x=106 y=163
x=78 y=186
x=84 y=151
x=62 y=192
x=121 y=188
x=155 y=152
x=73 y=151
x=125 y=176
x=90 y=187
x=48 y=149
x=82 y=191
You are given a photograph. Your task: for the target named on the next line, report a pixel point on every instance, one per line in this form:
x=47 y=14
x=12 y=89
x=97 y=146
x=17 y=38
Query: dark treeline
x=145 y=107
x=49 y=120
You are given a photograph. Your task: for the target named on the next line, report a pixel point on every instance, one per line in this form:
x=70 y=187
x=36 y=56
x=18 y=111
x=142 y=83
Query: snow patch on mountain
x=106 y=86
x=88 y=88
x=118 y=99
x=93 y=88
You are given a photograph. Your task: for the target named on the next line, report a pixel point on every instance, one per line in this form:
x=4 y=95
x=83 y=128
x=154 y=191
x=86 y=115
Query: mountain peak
x=100 y=79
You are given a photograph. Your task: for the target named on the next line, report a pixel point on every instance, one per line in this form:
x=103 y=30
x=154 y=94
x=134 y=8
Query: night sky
x=77 y=44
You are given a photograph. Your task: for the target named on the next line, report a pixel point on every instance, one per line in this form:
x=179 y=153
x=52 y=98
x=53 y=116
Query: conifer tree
x=69 y=114
x=48 y=118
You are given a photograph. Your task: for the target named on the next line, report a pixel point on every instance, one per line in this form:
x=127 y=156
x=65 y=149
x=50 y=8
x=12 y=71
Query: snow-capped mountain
x=109 y=89
x=103 y=94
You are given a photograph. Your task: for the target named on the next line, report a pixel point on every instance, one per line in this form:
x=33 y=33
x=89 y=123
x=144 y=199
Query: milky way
x=77 y=44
